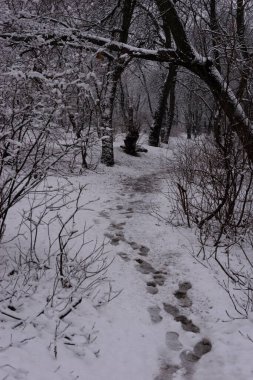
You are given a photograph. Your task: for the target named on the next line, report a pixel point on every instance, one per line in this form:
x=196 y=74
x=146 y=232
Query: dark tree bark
x=171 y=112
x=215 y=33
x=214 y=27
x=132 y=134
x=169 y=82
x=240 y=22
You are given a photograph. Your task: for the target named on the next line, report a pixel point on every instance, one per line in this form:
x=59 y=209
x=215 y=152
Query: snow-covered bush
x=47 y=133
x=53 y=265
x=46 y=121
x=211 y=189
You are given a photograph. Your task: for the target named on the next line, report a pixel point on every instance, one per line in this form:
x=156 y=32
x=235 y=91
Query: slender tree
x=168 y=86
x=115 y=70
x=171 y=109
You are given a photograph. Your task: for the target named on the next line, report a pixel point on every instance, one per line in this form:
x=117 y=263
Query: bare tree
x=115 y=69
x=168 y=88
x=184 y=55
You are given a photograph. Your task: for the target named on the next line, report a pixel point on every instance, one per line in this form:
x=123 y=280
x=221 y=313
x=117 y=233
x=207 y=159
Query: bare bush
x=49 y=265
x=211 y=190
x=43 y=128
x=52 y=265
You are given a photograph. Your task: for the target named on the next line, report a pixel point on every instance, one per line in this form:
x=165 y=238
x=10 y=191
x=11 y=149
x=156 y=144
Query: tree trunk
x=159 y=115
x=215 y=33
x=224 y=95
x=246 y=67
x=172 y=103
x=132 y=134
x=155 y=130
x=205 y=69
x=113 y=77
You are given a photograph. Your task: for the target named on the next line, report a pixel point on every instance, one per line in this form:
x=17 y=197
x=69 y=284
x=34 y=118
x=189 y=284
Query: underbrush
x=210 y=189
x=49 y=261
x=51 y=267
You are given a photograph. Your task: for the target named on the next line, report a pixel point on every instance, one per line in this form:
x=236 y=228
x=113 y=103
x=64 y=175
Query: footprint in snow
x=172 y=341
x=143 y=250
x=124 y=256
x=202 y=347
x=170 y=309
x=159 y=278
x=115 y=238
x=117 y=226
x=190 y=358
x=182 y=296
x=151 y=287
x=104 y=214
x=154 y=312
x=186 y=323
x=167 y=372
x=134 y=245
x=184 y=286
x=128 y=211
x=144 y=267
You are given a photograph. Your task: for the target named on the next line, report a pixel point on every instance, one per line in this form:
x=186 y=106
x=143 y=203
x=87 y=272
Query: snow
x=117 y=340
x=77 y=36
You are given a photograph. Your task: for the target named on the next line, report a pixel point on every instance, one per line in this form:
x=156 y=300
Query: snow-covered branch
x=80 y=39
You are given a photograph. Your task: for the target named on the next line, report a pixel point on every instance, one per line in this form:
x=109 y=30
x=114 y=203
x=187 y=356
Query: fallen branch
x=70 y=308
x=11 y=315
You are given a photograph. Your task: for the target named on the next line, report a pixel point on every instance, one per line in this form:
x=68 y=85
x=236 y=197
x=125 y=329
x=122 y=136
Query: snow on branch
x=79 y=40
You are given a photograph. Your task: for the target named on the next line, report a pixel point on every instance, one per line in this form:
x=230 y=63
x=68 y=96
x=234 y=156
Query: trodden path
x=157 y=314
x=142 y=242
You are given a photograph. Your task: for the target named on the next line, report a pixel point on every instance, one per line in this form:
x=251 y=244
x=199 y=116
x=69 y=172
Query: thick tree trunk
x=155 y=130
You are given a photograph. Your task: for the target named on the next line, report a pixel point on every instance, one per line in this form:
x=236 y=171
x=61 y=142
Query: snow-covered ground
x=162 y=316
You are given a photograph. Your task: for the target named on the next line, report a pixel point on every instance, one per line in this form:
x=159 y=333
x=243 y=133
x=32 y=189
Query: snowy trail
x=172 y=310
x=130 y=225
x=167 y=319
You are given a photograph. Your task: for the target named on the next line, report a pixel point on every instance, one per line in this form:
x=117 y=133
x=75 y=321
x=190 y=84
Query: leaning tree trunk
x=239 y=123
x=205 y=69
x=155 y=130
